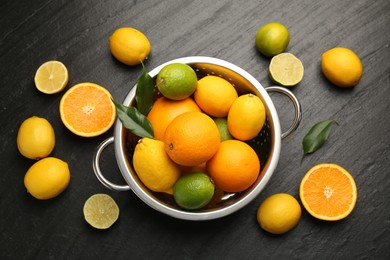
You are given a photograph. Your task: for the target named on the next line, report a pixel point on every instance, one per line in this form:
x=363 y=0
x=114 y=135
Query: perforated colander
x=267 y=144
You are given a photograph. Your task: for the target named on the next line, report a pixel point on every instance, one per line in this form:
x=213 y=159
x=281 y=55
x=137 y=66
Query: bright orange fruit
x=328 y=192
x=191 y=138
x=164 y=110
x=86 y=109
x=235 y=166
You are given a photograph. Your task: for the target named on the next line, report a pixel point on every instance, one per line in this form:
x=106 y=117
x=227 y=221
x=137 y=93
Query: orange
x=235 y=166
x=342 y=67
x=191 y=138
x=164 y=110
x=86 y=109
x=215 y=95
x=328 y=192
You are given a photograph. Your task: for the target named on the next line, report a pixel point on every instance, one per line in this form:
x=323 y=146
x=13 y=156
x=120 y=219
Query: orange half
x=328 y=192
x=86 y=109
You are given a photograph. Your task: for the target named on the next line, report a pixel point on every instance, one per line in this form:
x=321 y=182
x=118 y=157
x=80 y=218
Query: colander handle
x=98 y=172
x=297 y=106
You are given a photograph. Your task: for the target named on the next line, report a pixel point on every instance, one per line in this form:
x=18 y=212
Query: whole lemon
x=279 y=213
x=246 y=117
x=47 y=178
x=36 y=138
x=342 y=67
x=272 y=38
x=153 y=166
x=130 y=46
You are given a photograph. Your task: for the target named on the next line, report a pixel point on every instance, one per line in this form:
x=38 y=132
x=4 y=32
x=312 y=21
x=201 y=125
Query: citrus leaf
x=134 y=121
x=316 y=136
x=144 y=92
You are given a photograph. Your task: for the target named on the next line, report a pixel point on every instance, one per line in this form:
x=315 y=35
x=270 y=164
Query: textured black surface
x=76 y=33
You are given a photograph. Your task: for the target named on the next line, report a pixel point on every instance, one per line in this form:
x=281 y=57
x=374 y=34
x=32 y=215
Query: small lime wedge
x=286 y=69
x=101 y=211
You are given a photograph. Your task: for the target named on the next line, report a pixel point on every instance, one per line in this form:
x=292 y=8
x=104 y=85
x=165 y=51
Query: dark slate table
x=76 y=33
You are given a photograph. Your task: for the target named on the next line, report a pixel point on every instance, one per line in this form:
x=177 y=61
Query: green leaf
x=316 y=137
x=134 y=121
x=144 y=92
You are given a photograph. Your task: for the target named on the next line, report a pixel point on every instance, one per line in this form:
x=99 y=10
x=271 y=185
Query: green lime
x=177 y=81
x=101 y=211
x=223 y=129
x=286 y=69
x=272 y=38
x=193 y=191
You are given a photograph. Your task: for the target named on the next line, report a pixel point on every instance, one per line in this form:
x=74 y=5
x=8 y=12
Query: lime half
x=286 y=69
x=101 y=211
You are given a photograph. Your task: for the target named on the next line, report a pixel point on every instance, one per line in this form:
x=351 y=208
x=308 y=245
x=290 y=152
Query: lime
x=279 y=213
x=177 y=81
x=286 y=69
x=223 y=129
x=193 y=191
x=272 y=38
x=101 y=211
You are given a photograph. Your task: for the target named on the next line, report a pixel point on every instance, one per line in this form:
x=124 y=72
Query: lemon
x=279 y=213
x=129 y=45
x=286 y=69
x=47 y=178
x=100 y=211
x=193 y=191
x=153 y=166
x=272 y=39
x=35 y=138
x=177 y=81
x=246 y=117
x=342 y=67
x=223 y=129
x=51 y=77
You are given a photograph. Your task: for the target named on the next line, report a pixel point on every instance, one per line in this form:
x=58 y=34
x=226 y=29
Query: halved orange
x=328 y=192
x=86 y=109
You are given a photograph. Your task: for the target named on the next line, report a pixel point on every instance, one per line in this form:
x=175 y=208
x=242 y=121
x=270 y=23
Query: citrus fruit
x=177 y=81
x=193 y=191
x=47 y=178
x=215 y=95
x=36 y=138
x=342 y=67
x=223 y=129
x=51 y=77
x=235 y=166
x=191 y=138
x=100 y=211
x=164 y=110
x=86 y=109
x=246 y=117
x=129 y=45
x=286 y=69
x=153 y=166
x=279 y=213
x=272 y=39
x=328 y=192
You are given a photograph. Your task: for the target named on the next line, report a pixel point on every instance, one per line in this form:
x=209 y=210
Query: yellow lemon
x=153 y=166
x=51 y=77
x=35 y=138
x=279 y=213
x=342 y=67
x=130 y=46
x=246 y=117
x=47 y=178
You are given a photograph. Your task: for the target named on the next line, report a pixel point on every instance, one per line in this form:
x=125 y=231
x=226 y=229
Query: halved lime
x=286 y=69
x=101 y=211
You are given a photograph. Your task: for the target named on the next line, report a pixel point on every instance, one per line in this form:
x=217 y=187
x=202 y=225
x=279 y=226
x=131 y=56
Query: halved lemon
x=51 y=77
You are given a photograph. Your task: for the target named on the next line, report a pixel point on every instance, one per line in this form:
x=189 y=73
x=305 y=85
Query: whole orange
x=164 y=110
x=191 y=138
x=235 y=166
x=215 y=95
